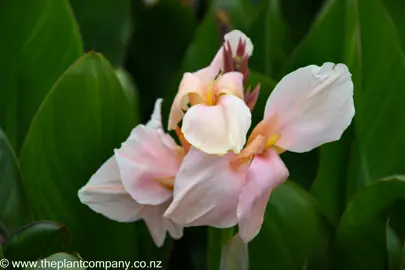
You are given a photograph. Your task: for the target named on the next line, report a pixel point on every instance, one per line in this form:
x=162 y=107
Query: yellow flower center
x=272 y=140
x=166 y=182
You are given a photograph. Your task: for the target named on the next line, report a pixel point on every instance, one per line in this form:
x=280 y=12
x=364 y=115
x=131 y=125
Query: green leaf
x=61 y=261
x=105 y=27
x=383 y=66
x=130 y=90
x=37 y=240
x=293 y=230
x=161 y=36
x=394 y=248
x=14 y=211
x=361 y=235
x=268 y=35
x=395 y=8
x=84 y=117
x=329 y=186
x=38 y=40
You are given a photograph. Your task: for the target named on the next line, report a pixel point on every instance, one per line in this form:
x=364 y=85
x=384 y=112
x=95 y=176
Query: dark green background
x=76 y=76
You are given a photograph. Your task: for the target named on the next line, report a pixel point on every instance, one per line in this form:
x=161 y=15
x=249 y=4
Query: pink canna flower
x=218 y=118
x=137 y=182
x=309 y=107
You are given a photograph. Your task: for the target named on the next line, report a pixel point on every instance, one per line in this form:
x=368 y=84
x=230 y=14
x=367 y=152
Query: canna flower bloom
x=308 y=107
x=137 y=182
x=218 y=118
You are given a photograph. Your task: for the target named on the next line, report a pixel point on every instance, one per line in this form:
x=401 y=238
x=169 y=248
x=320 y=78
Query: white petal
x=313 y=105
x=234 y=36
x=105 y=194
x=220 y=128
x=239 y=119
x=205 y=128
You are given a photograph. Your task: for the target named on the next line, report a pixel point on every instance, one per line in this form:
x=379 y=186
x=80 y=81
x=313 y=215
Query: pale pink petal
x=238 y=119
x=144 y=158
x=208 y=74
x=155 y=121
x=105 y=194
x=230 y=83
x=217 y=64
x=220 y=128
x=266 y=172
x=233 y=38
x=154 y=220
x=175 y=230
x=313 y=105
x=206 y=191
x=189 y=84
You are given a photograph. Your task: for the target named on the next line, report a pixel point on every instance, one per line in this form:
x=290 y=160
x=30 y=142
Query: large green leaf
x=36 y=241
x=162 y=33
x=84 y=117
x=14 y=211
x=329 y=186
x=379 y=129
x=130 y=90
x=38 y=40
x=395 y=9
x=293 y=230
x=106 y=27
x=361 y=239
x=268 y=35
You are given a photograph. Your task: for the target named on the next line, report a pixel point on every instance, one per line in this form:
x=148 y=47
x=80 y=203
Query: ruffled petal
x=105 y=194
x=220 y=128
x=266 y=172
x=205 y=127
x=144 y=159
x=313 y=105
x=206 y=191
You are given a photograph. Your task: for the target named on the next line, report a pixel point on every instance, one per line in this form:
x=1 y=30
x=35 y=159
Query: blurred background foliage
x=76 y=76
